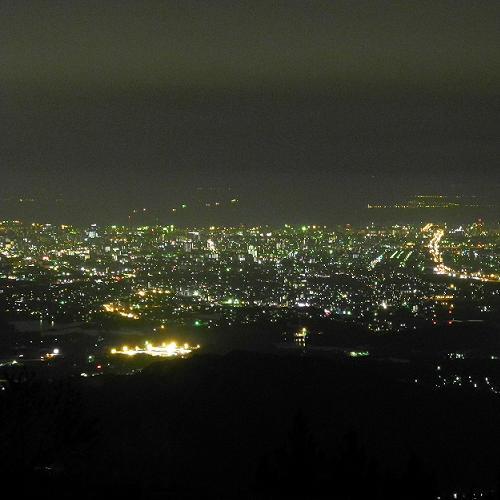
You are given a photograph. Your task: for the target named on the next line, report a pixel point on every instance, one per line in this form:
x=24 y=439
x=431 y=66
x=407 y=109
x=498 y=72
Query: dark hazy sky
x=306 y=109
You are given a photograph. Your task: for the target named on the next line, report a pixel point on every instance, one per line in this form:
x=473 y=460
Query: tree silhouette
x=417 y=482
x=45 y=433
x=356 y=474
x=293 y=470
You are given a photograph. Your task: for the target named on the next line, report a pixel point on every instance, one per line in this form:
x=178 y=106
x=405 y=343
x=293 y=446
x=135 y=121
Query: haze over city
x=307 y=111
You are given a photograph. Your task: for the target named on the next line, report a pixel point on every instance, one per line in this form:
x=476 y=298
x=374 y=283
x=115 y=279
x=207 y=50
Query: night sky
x=303 y=111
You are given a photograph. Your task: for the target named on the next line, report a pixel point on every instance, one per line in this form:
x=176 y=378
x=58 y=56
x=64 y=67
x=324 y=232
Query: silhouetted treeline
x=301 y=469
x=245 y=426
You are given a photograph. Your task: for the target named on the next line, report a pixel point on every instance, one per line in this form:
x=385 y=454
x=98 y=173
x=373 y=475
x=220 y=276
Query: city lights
x=379 y=277
x=164 y=350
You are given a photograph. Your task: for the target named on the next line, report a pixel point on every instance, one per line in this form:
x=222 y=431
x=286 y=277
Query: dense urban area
x=386 y=279
x=415 y=304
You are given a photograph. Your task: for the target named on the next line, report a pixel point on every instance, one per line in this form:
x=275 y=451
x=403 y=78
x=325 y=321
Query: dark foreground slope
x=248 y=426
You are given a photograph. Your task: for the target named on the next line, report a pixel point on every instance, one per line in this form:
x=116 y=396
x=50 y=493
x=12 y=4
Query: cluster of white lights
x=163 y=350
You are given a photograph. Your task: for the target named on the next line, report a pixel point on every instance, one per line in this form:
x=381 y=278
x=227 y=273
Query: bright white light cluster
x=163 y=350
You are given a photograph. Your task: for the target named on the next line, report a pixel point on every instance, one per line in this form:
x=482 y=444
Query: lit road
x=441 y=268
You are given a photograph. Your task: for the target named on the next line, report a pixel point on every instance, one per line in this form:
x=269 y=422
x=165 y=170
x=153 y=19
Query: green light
x=304 y=228
x=358 y=354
